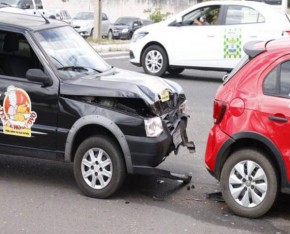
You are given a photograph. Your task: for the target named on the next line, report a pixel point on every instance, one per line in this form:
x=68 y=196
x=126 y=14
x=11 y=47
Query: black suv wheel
x=98 y=167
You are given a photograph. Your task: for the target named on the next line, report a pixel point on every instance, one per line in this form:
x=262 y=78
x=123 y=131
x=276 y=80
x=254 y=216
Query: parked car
x=61 y=101
x=30 y=7
x=124 y=27
x=248 y=145
x=207 y=36
x=60 y=14
x=83 y=22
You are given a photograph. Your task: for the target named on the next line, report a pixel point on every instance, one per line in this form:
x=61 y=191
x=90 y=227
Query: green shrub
x=156 y=15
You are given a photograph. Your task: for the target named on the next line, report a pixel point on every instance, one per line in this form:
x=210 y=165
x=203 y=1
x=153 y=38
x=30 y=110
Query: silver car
x=83 y=23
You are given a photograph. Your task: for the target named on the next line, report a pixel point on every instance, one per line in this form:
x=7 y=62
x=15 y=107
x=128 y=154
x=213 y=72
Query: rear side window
x=242 y=15
x=277 y=82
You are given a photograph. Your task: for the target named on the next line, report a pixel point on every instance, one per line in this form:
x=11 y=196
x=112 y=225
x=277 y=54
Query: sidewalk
x=103 y=48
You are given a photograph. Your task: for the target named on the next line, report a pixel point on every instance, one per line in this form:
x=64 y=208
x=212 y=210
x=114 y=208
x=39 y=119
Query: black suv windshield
x=70 y=54
x=124 y=21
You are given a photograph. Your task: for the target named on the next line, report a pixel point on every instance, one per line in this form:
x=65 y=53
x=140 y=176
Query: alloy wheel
x=96 y=168
x=248 y=183
x=154 y=61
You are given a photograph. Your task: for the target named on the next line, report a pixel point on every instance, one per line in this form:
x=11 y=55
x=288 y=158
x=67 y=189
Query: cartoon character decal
x=16 y=114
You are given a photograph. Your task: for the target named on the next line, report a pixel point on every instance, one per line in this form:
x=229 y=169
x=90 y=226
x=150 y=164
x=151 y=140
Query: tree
x=156 y=15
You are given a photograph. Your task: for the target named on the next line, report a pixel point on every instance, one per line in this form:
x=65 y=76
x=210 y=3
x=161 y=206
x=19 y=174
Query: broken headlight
x=153 y=127
x=183 y=108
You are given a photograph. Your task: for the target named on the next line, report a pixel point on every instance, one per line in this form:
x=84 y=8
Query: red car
x=248 y=148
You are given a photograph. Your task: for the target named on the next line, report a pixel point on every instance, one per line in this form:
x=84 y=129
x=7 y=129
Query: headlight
x=125 y=30
x=138 y=36
x=153 y=127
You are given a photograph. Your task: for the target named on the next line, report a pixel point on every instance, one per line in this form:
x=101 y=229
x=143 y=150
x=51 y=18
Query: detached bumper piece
x=151 y=171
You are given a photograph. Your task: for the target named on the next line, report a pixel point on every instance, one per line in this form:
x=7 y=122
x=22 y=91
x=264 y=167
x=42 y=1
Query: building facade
x=117 y=8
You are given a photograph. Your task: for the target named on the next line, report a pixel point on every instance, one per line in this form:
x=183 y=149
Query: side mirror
x=37 y=75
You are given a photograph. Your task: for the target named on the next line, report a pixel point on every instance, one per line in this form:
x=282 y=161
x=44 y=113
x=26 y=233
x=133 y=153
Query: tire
x=110 y=35
x=154 y=60
x=175 y=71
x=105 y=175
x=92 y=33
x=245 y=193
x=130 y=35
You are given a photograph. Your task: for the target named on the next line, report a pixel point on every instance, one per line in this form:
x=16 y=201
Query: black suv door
x=28 y=111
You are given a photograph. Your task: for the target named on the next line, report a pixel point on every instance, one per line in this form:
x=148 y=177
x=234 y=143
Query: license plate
x=116 y=34
x=177 y=137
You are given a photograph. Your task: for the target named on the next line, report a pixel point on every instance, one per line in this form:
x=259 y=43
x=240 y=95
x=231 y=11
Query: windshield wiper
x=5 y=4
x=77 y=68
x=108 y=72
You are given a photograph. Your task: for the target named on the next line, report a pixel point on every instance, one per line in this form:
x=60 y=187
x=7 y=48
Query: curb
x=100 y=48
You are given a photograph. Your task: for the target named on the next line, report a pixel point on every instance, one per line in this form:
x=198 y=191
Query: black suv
x=124 y=27
x=61 y=101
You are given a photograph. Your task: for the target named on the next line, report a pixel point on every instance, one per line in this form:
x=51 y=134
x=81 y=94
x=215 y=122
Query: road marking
x=116 y=57
x=113 y=52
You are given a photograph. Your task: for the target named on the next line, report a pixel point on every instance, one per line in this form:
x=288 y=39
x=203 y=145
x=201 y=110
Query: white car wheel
x=155 y=61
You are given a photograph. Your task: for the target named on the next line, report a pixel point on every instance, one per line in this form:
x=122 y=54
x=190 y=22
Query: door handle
x=278 y=119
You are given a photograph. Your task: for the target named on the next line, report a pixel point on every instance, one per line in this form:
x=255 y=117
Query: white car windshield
x=9 y=2
x=84 y=16
x=70 y=54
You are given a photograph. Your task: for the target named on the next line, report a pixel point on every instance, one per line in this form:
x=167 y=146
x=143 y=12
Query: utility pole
x=97 y=19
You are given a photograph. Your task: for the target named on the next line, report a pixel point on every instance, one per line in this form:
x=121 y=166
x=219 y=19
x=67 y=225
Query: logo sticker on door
x=16 y=114
x=233 y=44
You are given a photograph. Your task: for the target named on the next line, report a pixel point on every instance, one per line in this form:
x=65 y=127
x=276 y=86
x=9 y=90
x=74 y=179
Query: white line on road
x=113 y=52
x=116 y=57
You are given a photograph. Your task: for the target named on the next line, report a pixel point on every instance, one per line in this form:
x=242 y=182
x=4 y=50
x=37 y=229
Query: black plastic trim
x=285 y=185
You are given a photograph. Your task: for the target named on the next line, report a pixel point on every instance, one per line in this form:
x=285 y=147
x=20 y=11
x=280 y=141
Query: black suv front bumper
x=147 y=152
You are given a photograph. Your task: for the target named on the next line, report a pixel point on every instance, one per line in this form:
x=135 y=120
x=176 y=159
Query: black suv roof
x=28 y=22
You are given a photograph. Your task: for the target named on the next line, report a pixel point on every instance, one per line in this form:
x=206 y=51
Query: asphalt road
x=40 y=196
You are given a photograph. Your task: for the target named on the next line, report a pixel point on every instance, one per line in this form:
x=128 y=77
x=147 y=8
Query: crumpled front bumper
x=150 y=152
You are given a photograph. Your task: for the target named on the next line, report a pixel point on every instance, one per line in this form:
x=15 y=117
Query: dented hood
x=122 y=83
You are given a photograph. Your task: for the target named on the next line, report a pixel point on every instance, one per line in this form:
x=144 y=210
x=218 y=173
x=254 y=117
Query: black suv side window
x=104 y=17
x=16 y=55
x=277 y=82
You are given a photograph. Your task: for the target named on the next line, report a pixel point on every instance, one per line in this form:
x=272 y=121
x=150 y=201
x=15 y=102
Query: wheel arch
x=93 y=125
x=258 y=141
x=150 y=44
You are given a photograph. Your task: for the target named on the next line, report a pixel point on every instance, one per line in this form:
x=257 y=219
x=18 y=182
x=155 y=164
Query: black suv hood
x=125 y=84
x=121 y=26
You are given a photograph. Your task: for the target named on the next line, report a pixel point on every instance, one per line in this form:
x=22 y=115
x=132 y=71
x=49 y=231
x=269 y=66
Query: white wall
x=117 y=8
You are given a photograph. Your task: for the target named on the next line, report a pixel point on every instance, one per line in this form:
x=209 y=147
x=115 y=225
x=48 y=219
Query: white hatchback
x=207 y=36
